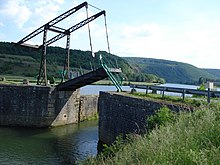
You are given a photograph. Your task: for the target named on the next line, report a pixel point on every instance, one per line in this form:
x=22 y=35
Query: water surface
x=61 y=145
x=95 y=89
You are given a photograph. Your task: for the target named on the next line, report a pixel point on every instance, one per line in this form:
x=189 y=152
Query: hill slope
x=215 y=72
x=171 y=71
x=16 y=60
x=22 y=61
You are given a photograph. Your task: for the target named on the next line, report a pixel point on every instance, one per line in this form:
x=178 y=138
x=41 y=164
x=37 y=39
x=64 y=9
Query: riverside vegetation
x=22 y=61
x=172 y=138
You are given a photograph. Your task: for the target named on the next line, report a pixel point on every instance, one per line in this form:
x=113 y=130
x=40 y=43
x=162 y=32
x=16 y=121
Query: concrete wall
x=23 y=105
x=63 y=107
x=119 y=114
x=33 y=106
x=88 y=106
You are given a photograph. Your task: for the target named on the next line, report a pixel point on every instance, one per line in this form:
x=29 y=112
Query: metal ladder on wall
x=110 y=74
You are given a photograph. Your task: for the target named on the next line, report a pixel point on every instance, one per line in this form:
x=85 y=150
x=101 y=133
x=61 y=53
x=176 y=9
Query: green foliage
x=2 y=79
x=202 y=87
x=115 y=147
x=16 y=60
x=215 y=72
x=173 y=99
x=163 y=116
x=27 y=62
x=52 y=80
x=192 y=139
x=201 y=80
x=171 y=71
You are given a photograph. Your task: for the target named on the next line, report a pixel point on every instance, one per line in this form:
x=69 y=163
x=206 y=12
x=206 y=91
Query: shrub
x=201 y=87
x=113 y=148
x=52 y=80
x=163 y=116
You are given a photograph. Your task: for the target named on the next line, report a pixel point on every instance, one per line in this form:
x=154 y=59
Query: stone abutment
x=37 y=106
x=120 y=114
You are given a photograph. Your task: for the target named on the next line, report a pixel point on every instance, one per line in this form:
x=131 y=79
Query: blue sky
x=179 y=30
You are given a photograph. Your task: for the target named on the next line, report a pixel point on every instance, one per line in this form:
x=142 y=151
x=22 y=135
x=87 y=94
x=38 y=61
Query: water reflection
x=62 y=145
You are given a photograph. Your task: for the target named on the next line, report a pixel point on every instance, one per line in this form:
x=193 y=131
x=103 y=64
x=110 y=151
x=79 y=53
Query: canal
x=61 y=145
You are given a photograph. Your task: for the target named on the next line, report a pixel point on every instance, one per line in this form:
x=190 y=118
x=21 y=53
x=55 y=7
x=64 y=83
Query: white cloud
x=35 y=13
x=43 y=14
x=139 y=40
x=75 y=3
x=17 y=10
x=197 y=45
x=142 y=31
x=59 y=1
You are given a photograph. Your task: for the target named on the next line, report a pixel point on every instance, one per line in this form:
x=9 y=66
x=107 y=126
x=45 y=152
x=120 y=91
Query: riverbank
x=192 y=139
x=8 y=79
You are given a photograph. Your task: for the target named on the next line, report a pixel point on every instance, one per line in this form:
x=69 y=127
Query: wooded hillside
x=171 y=71
x=17 y=60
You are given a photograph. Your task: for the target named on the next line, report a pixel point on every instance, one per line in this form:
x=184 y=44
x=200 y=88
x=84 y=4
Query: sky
x=179 y=30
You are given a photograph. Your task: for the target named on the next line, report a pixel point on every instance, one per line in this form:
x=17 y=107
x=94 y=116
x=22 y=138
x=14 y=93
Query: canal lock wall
x=37 y=106
x=121 y=115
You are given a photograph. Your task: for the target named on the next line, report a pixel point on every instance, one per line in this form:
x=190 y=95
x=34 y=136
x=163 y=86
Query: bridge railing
x=112 y=72
x=208 y=93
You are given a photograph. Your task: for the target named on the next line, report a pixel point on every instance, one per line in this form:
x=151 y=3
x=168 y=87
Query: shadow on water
x=61 y=145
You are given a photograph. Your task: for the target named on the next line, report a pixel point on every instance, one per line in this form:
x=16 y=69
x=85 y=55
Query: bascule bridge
x=95 y=75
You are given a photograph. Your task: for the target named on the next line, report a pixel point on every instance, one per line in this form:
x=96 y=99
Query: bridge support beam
x=42 y=76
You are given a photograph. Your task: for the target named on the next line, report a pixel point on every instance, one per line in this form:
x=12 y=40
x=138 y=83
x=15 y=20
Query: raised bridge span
x=97 y=74
x=89 y=78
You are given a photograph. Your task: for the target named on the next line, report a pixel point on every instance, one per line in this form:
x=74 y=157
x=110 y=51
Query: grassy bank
x=191 y=101
x=125 y=83
x=194 y=138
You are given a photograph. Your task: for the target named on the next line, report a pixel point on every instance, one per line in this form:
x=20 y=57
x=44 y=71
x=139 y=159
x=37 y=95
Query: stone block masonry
x=23 y=105
x=37 y=106
x=120 y=114
x=63 y=107
x=88 y=106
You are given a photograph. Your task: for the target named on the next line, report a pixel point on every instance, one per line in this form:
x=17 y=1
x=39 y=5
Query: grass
x=15 y=79
x=95 y=117
x=125 y=83
x=194 y=138
x=174 y=99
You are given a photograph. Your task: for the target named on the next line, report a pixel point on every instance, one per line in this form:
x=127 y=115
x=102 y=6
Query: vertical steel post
x=208 y=97
x=67 y=59
x=43 y=66
x=68 y=54
x=184 y=91
x=163 y=92
x=147 y=89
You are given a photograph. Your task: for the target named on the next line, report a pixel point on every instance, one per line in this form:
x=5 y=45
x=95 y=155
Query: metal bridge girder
x=42 y=76
x=75 y=27
x=53 y=22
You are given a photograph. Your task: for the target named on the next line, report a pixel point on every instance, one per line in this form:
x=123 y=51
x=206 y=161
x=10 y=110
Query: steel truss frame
x=42 y=75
